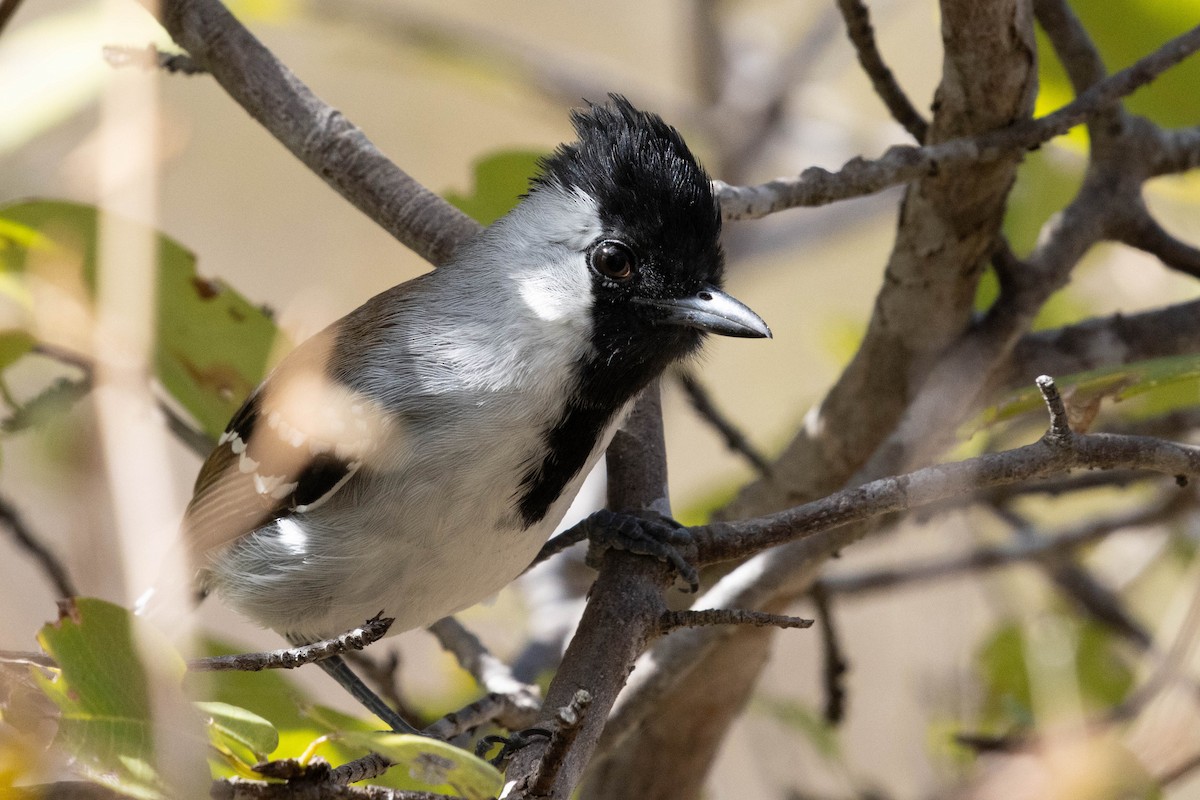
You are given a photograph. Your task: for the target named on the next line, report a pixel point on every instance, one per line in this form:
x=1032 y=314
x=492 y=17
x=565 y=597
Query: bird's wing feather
x=295 y=442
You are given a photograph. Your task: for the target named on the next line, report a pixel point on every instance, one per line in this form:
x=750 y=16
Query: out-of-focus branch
x=1101 y=342
x=901 y=164
x=490 y=672
x=7 y=9
x=862 y=36
x=1076 y=582
x=985 y=558
x=25 y=538
x=735 y=439
x=317 y=134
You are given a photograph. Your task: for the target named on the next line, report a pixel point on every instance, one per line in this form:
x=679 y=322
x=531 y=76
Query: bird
x=414 y=456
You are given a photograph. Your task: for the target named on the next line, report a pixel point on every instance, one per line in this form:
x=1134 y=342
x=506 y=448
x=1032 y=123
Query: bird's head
x=637 y=213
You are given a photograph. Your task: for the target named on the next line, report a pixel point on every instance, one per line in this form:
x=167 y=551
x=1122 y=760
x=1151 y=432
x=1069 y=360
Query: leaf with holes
x=211 y=344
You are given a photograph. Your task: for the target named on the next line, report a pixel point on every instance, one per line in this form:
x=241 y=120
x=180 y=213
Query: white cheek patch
x=552 y=297
x=560 y=286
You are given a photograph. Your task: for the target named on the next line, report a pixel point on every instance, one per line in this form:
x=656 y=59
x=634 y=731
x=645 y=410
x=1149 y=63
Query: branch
x=704 y=406
x=1050 y=455
x=904 y=163
x=862 y=36
x=317 y=134
x=1073 y=580
x=833 y=658
x=489 y=672
x=291 y=657
x=1101 y=342
x=1178 y=151
x=54 y=569
x=674 y=620
x=985 y=558
x=623 y=612
x=7 y=9
x=1146 y=234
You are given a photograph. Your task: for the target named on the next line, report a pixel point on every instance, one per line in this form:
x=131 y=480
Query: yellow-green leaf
x=242 y=731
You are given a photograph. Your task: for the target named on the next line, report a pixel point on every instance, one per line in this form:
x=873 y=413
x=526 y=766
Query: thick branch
x=317 y=134
x=623 y=613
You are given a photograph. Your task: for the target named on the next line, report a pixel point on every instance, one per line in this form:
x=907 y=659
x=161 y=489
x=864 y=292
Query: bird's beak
x=712 y=310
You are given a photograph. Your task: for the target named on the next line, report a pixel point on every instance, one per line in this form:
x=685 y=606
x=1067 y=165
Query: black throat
x=627 y=354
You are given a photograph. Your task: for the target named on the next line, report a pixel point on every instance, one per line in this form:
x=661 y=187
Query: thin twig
x=363 y=768
x=992 y=557
x=673 y=620
x=728 y=541
x=735 y=440
x=316 y=133
x=1146 y=234
x=501 y=709
x=862 y=36
x=901 y=164
x=290 y=658
x=1060 y=423
x=833 y=658
x=54 y=569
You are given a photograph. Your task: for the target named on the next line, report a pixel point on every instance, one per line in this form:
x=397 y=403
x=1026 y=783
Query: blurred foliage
x=107 y=722
x=500 y=179
x=102 y=691
x=422 y=764
x=802 y=719
x=211 y=344
x=1012 y=660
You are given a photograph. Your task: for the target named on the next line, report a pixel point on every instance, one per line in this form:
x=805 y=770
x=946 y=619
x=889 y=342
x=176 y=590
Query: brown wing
x=295 y=442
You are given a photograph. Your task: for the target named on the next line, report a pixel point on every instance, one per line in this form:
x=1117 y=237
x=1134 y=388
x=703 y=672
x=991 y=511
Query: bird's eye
x=613 y=260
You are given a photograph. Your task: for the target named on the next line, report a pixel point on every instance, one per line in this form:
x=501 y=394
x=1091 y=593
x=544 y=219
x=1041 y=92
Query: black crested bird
x=415 y=455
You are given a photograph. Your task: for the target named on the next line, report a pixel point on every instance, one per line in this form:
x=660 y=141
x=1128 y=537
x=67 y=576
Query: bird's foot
x=646 y=533
x=509 y=744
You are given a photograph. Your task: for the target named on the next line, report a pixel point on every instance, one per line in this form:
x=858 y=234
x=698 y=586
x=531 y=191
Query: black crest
x=646 y=181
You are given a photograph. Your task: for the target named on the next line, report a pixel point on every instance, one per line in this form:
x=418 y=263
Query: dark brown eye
x=613 y=260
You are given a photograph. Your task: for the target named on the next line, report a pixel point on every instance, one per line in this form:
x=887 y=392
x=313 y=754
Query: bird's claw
x=645 y=533
x=509 y=744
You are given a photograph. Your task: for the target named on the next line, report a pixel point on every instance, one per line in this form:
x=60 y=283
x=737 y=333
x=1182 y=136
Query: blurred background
x=759 y=89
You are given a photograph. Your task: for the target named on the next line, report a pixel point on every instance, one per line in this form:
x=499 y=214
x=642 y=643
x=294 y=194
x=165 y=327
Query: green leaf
x=1096 y=668
x=211 y=344
x=802 y=719
x=500 y=180
x=102 y=692
x=239 y=730
x=1160 y=385
x=434 y=764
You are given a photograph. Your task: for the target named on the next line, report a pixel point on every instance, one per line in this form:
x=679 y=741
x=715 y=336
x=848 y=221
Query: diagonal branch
x=862 y=36
x=316 y=133
x=54 y=569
